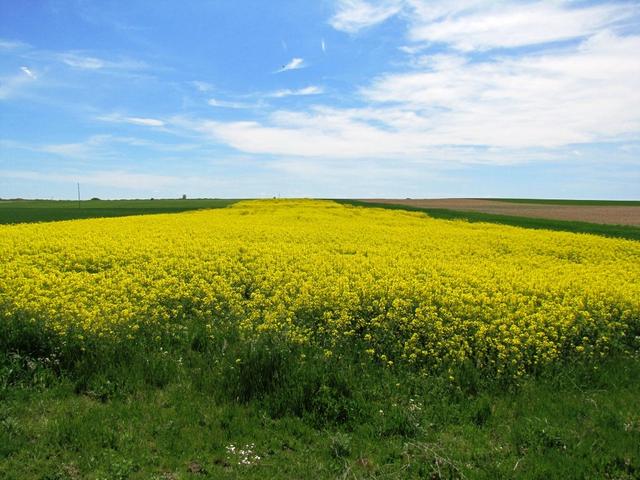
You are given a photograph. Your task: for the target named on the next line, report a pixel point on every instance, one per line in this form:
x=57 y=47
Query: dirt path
x=623 y=215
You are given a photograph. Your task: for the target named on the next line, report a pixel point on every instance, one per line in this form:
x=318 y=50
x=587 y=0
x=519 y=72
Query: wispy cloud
x=12 y=86
x=310 y=90
x=142 y=121
x=321 y=134
x=479 y=25
x=229 y=104
x=323 y=46
x=147 y=122
x=75 y=150
x=202 y=86
x=114 y=179
x=91 y=147
x=259 y=97
x=84 y=63
x=12 y=44
x=87 y=62
x=29 y=72
x=556 y=98
x=509 y=24
x=354 y=15
x=101 y=146
x=294 y=64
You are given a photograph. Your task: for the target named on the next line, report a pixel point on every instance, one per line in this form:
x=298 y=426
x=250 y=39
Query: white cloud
x=103 y=178
x=510 y=24
x=202 y=86
x=354 y=15
x=84 y=149
x=328 y=133
x=28 y=72
x=85 y=62
x=118 y=118
x=76 y=150
x=585 y=95
x=468 y=25
x=227 y=104
x=12 y=45
x=294 y=64
x=323 y=46
x=310 y=90
x=102 y=146
x=147 y=122
x=14 y=85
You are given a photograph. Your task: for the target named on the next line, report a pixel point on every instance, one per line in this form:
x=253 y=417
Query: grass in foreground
x=192 y=414
x=26 y=211
x=615 y=231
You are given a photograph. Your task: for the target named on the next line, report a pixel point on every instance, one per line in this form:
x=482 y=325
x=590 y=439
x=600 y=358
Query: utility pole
x=78 y=194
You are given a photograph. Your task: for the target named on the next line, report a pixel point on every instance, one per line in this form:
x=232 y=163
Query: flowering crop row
x=398 y=285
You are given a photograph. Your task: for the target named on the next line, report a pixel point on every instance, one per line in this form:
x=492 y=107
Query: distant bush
x=95 y=198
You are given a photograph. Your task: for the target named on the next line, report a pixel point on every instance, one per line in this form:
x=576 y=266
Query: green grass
x=618 y=231
x=145 y=414
x=182 y=407
x=21 y=211
x=551 y=201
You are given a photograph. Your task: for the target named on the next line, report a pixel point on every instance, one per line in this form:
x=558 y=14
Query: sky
x=326 y=98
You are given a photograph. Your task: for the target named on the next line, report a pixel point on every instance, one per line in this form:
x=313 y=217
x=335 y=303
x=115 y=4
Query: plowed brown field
x=614 y=215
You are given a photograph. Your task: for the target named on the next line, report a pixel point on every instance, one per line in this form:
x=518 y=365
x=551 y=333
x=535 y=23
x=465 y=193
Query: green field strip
x=28 y=211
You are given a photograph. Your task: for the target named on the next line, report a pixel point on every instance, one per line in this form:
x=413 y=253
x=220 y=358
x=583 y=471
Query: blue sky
x=334 y=98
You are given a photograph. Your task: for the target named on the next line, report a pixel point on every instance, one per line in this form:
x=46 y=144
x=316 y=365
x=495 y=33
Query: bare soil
x=613 y=215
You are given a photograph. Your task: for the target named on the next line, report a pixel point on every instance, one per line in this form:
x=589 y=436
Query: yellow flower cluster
x=398 y=285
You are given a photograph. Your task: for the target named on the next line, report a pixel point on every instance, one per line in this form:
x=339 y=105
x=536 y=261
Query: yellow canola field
x=399 y=285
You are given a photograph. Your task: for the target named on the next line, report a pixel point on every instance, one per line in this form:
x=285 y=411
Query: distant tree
x=184 y=196
x=95 y=198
